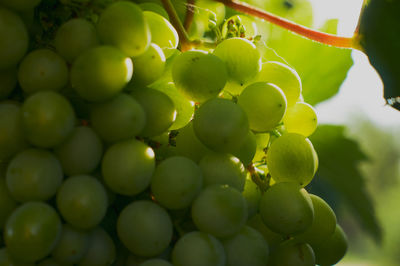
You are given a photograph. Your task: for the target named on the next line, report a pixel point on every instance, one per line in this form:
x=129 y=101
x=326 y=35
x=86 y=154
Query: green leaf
x=379 y=29
x=322 y=68
x=339 y=158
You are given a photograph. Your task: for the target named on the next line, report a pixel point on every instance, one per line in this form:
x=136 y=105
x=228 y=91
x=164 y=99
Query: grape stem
x=189 y=14
x=263 y=185
x=322 y=37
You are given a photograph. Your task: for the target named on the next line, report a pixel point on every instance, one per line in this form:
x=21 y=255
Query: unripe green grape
x=123 y=25
x=332 y=249
x=292 y=158
x=34 y=174
x=42 y=70
x=155 y=262
x=74 y=37
x=252 y=195
x=128 y=166
x=264 y=104
x=20 y=4
x=100 y=73
x=82 y=201
x=221 y=125
x=223 y=169
x=81 y=152
x=149 y=66
x=12 y=139
x=248 y=247
x=247 y=151
x=8 y=81
x=219 y=210
x=323 y=225
x=7 y=260
x=198 y=75
x=154 y=7
x=300 y=118
x=47 y=119
x=13 y=39
x=198 y=249
x=292 y=253
x=144 y=228
x=32 y=231
x=298 y=212
x=119 y=118
x=7 y=203
x=162 y=32
x=283 y=76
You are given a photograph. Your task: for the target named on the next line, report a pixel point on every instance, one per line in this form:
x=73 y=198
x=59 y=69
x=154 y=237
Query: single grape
x=7 y=203
x=292 y=158
x=119 y=118
x=8 y=81
x=292 y=253
x=34 y=175
x=74 y=37
x=198 y=75
x=247 y=150
x=144 y=228
x=128 y=166
x=154 y=7
x=219 y=210
x=14 y=38
x=122 y=24
x=198 y=249
x=252 y=195
x=264 y=104
x=100 y=73
x=298 y=212
x=221 y=125
x=47 y=119
x=155 y=262
x=82 y=201
x=248 y=247
x=32 y=231
x=176 y=182
x=300 y=118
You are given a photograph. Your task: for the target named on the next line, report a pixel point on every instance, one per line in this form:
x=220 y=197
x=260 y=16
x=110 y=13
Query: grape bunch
x=117 y=148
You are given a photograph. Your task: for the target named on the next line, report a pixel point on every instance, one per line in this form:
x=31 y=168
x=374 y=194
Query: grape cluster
x=116 y=148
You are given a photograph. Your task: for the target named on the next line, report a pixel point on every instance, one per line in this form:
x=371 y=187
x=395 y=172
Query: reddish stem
x=189 y=14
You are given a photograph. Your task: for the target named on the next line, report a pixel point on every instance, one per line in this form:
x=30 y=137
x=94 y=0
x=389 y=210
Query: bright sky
x=362 y=90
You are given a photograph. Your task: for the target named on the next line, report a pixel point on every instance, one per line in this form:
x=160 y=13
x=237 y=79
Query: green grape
x=149 y=66
x=273 y=239
x=298 y=212
x=262 y=140
x=154 y=7
x=283 y=76
x=221 y=125
x=323 y=225
x=74 y=37
x=223 y=169
x=144 y=228
x=42 y=70
x=162 y=32
x=155 y=262
x=300 y=118
x=198 y=75
x=160 y=111
x=232 y=25
x=14 y=38
x=20 y=4
x=188 y=145
x=100 y=73
x=247 y=151
x=248 y=247
x=292 y=158
x=101 y=252
x=81 y=152
x=6 y=260
x=292 y=253
x=47 y=119
x=123 y=24
x=119 y=118
x=12 y=139
x=264 y=104
x=184 y=107
x=32 y=231
x=332 y=249
x=198 y=249
x=72 y=246
x=176 y=182
x=8 y=81
x=127 y=167
x=34 y=175
x=7 y=203
x=82 y=201
x=252 y=195
x=219 y=210
x=242 y=60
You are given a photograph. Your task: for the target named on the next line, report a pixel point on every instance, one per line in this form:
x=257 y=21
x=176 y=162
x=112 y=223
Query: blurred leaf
x=379 y=29
x=339 y=157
